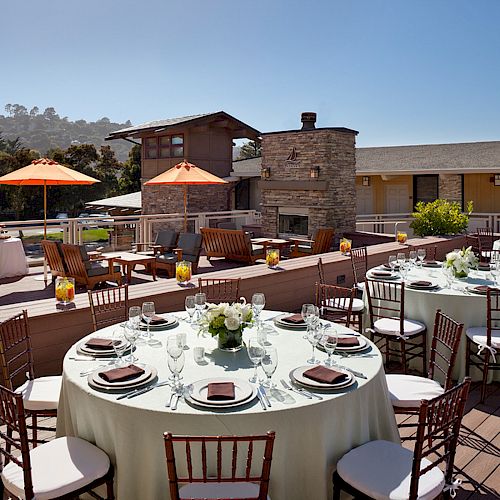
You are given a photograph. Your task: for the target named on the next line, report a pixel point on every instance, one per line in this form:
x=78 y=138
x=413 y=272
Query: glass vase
x=272 y=258
x=230 y=340
x=183 y=272
x=65 y=290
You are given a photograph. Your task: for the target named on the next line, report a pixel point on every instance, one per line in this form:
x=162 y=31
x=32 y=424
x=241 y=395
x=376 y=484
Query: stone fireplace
x=308 y=180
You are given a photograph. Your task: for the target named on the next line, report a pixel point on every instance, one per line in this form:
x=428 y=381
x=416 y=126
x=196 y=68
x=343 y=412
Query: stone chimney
x=308 y=120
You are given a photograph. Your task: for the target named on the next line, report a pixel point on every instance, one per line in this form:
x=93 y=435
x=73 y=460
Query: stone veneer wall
x=450 y=187
x=331 y=199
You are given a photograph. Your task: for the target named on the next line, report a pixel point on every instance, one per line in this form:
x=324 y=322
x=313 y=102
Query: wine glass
x=269 y=364
x=131 y=333
x=148 y=311
x=134 y=315
x=401 y=258
x=313 y=336
x=308 y=310
x=200 y=300
x=176 y=365
x=421 y=253
x=119 y=345
x=258 y=303
x=448 y=275
x=329 y=343
x=404 y=269
x=393 y=260
x=256 y=352
x=413 y=257
x=174 y=347
x=190 y=306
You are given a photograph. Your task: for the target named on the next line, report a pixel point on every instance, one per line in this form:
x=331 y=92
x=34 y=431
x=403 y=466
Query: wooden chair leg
x=336 y=487
x=110 y=494
x=402 y=346
x=34 y=430
x=424 y=354
x=484 y=382
x=467 y=356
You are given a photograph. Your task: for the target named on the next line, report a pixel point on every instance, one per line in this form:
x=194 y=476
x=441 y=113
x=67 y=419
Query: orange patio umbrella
x=185 y=173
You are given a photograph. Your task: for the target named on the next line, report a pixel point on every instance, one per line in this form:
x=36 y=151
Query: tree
x=130 y=180
x=34 y=111
x=251 y=149
x=10 y=146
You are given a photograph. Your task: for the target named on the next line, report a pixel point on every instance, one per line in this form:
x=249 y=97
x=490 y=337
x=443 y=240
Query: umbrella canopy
x=185 y=173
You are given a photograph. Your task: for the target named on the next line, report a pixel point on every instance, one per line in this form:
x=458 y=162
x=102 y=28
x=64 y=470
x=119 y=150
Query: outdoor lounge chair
x=321 y=243
x=231 y=244
x=89 y=272
x=54 y=256
x=188 y=248
x=165 y=241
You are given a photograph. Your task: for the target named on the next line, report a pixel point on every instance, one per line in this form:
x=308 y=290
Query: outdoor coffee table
x=271 y=242
x=129 y=260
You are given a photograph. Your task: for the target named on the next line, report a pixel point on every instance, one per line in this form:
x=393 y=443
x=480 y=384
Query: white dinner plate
x=388 y=276
x=224 y=405
x=278 y=320
x=363 y=344
x=171 y=322
x=199 y=391
x=89 y=351
x=432 y=286
x=149 y=373
x=297 y=376
x=432 y=264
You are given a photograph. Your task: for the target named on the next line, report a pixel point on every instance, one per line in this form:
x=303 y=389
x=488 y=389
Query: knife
x=173 y=406
x=293 y=389
x=136 y=392
x=264 y=396
x=355 y=373
x=259 y=396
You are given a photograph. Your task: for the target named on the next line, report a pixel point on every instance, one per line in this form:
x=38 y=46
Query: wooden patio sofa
x=231 y=244
x=54 y=257
x=321 y=243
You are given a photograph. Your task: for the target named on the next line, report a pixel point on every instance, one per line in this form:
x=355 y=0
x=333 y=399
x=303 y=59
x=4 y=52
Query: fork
x=294 y=389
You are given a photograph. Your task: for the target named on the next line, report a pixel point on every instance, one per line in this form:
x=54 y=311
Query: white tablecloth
x=461 y=305
x=12 y=258
x=311 y=435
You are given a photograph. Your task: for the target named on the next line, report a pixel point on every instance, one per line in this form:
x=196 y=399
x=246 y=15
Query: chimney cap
x=308 y=119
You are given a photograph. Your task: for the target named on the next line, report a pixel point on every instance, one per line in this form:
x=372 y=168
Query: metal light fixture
x=497 y=180
x=314 y=172
x=366 y=180
x=265 y=172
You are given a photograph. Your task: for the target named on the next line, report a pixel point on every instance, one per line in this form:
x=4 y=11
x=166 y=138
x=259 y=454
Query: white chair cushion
x=360 y=285
x=58 y=467
x=41 y=393
x=390 y=326
x=406 y=391
x=382 y=470
x=219 y=490
x=478 y=335
x=343 y=303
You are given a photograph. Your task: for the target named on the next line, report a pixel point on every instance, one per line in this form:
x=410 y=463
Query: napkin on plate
x=220 y=391
x=155 y=320
x=381 y=273
x=324 y=375
x=387 y=266
x=347 y=342
x=483 y=267
x=121 y=374
x=430 y=262
x=99 y=343
x=294 y=318
x=421 y=283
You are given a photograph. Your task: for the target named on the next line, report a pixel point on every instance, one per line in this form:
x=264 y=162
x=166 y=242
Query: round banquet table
x=12 y=258
x=457 y=302
x=311 y=435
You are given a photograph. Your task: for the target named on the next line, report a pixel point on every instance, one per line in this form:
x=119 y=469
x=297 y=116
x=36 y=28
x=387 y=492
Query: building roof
x=336 y=129
x=130 y=200
x=164 y=125
x=458 y=158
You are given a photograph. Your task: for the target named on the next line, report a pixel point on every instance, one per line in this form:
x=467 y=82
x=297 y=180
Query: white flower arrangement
x=224 y=316
x=461 y=261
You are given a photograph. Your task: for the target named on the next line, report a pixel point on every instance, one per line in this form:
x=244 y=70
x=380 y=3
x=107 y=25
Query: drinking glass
x=256 y=352
x=404 y=269
x=190 y=306
x=313 y=336
x=269 y=364
x=421 y=253
x=134 y=315
x=176 y=365
x=174 y=347
x=308 y=310
x=119 y=345
x=258 y=303
x=329 y=343
x=148 y=311
x=200 y=300
x=401 y=258
x=131 y=333
x=448 y=276
x=413 y=257
x=393 y=260
x=182 y=341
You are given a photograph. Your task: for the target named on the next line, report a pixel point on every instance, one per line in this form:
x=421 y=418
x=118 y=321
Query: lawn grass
x=88 y=236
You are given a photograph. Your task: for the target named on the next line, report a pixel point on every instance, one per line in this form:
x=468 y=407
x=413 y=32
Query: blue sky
x=399 y=71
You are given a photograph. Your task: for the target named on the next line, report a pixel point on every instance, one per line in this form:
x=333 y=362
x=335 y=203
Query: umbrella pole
x=185 y=207
x=44 y=229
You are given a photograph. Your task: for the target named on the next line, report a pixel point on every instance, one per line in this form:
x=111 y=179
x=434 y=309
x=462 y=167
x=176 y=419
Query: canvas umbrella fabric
x=46 y=172
x=185 y=173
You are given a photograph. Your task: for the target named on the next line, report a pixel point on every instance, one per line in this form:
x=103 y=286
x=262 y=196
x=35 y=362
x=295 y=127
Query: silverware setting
x=355 y=355
x=169 y=401
x=88 y=372
x=298 y=391
x=175 y=402
x=91 y=358
x=261 y=400
x=264 y=396
x=354 y=372
x=136 y=392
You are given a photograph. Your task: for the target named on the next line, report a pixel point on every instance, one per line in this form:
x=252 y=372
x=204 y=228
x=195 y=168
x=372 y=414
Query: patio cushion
x=343 y=303
x=41 y=393
x=478 y=335
x=219 y=490
x=382 y=470
x=59 y=467
x=98 y=269
x=168 y=258
x=406 y=391
x=167 y=238
x=257 y=249
x=305 y=248
x=190 y=243
x=390 y=326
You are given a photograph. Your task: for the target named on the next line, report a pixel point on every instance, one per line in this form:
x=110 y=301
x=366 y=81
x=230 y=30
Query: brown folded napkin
x=220 y=391
x=155 y=320
x=381 y=273
x=421 y=283
x=347 y=342
x=324 y=375
x=294 y=318
x=387 y=266
x=483 y=267
x=432 y=262
x=121 y=374
x=98 y=343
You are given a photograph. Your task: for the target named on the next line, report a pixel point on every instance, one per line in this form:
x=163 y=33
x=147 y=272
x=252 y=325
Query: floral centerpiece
x=65 y=290
x=227 y=322
x=345 y=246
x=461 y=261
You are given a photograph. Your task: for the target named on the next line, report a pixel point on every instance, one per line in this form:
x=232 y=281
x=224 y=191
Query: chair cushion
x=478 y=335
x=382 y=470
x=219 y=490
x=59 y=467
x=98 y=269
x=41 y=393
x=190 y=243
x=390 y=326
x=343 y=303
x=166 y=238
x=167 y=258
x=257 y=249
x=304 y=248
x=406 y=391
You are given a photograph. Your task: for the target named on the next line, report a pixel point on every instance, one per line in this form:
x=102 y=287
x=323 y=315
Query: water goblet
x=258 y=303
x=174 y=347
x=413 y=257
x=269 y=364
x=176 y=365
x=393 y=260
x=134 y=315
x=401 y=258
x=313 y=336
x=256 y=352
x=200 y=300
x=131 y=333
x=308 y=310
x=148 y=311
x=119 y=345
x=421 y=253
x=190 y=306
x=329 y=343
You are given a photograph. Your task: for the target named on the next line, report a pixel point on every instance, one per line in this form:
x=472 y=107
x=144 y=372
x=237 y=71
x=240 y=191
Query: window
x=164 y=146
x=425 y=188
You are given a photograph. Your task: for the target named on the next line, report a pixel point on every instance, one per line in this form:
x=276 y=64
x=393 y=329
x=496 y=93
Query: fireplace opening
x=293 y=222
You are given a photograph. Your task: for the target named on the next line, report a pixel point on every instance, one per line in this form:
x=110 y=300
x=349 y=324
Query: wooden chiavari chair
x=473 y=242
x=483 y=342
x=359 y=262
x=402 y=473
x=62 y=468
x=40 y=395
x=485 y=241
x=220 y=290
x=406 y=391
x=321 y=272
x=388 y=324
x=108 y=306
x=238 y=483
x=338 y=304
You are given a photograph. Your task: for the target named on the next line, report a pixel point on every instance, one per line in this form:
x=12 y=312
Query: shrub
x=440 y=217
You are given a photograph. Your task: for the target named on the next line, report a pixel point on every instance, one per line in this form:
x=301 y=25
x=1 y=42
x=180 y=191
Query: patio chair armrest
x=301 y=240
x=178 y=251
x=141 y=244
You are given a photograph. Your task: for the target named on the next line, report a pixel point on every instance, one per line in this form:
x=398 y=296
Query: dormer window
x=164 y=146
